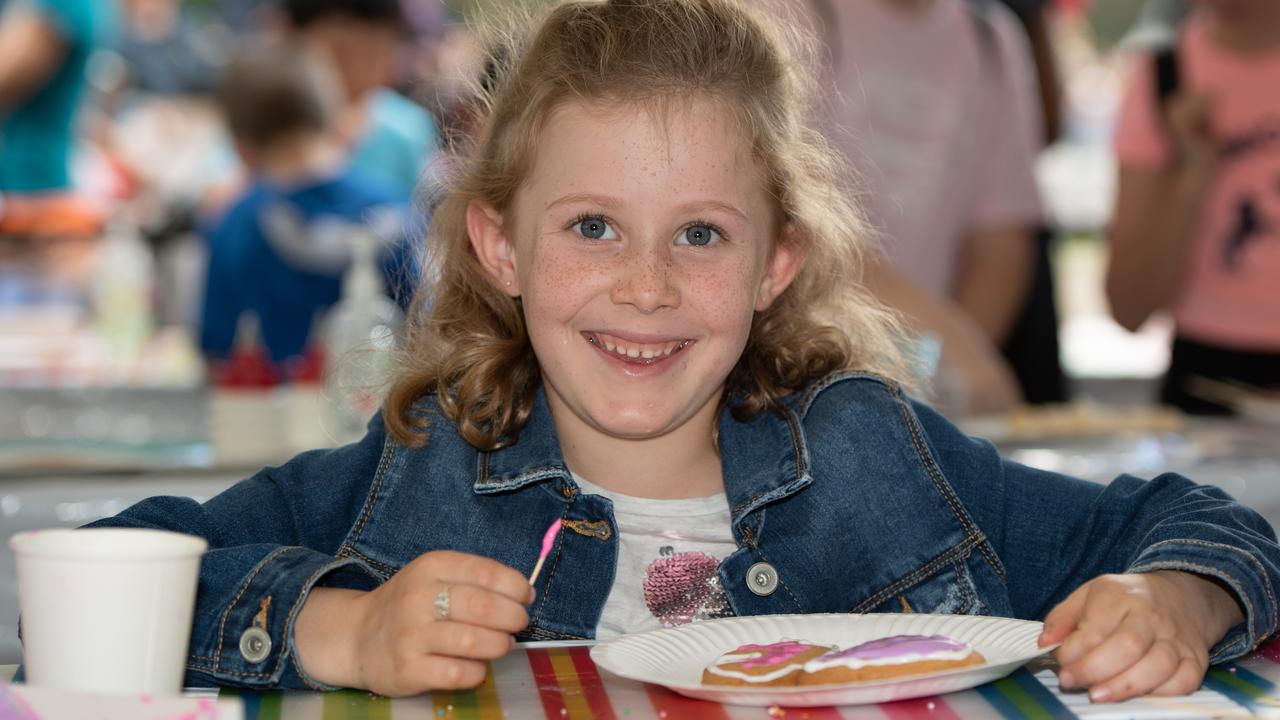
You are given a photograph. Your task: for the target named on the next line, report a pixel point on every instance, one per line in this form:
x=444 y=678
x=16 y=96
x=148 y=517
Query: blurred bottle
x=360 y=339
x=121 y=292
x=244 y=420
x=302 y=397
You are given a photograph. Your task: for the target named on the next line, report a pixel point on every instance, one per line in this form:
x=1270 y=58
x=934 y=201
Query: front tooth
x=633 y=352
x=647 y=354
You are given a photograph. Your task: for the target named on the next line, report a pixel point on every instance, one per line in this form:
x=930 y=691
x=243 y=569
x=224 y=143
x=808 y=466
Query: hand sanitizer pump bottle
x=361 y=339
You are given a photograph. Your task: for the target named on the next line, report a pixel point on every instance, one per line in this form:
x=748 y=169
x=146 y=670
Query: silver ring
x=442 y=603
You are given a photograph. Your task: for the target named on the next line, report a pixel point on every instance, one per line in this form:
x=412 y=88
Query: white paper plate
x=676 y=657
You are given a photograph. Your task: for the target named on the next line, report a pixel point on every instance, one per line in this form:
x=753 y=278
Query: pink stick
x=548 y=541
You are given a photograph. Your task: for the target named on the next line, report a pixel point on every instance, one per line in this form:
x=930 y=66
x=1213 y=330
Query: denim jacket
x=854 y=499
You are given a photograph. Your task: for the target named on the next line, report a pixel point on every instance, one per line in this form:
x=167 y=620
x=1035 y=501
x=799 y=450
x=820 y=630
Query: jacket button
x=255 y=645
x=762 y=579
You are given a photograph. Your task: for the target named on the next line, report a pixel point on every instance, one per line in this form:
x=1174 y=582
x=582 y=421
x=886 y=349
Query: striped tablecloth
x=561 y=682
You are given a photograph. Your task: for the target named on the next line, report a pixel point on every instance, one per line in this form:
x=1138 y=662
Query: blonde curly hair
x=466 y=340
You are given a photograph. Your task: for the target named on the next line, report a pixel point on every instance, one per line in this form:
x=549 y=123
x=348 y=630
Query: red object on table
x=246 y=368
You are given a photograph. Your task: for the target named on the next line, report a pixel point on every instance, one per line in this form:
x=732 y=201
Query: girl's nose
x=646 y=279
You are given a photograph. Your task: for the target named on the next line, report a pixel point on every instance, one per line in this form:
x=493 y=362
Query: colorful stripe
x=481 y=703
x=1269 y=651
x=1249 y=689
x=257 y=705
x=355 y=705
x=926 y=707
x=669 y=704
x=592 y=685
x=1022 y=696
x=544 y=676
x=1051 y=703
x=561 y=688
x=575 y=699
x=488 y=706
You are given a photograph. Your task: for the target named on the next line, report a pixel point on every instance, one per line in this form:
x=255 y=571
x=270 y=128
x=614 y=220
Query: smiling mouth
x=629 y=351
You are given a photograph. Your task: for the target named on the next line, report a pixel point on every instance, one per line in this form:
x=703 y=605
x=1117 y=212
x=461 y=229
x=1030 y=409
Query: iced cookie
x=773 y=664
x=888 y=658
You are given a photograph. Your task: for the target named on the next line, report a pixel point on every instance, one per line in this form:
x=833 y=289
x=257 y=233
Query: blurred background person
x=1032 y=345
x=1033 y=15
x=1196 y=230
x=45 y=46
x=279 y=253
x=394 y=137
x=166 y=51
x=951 y=191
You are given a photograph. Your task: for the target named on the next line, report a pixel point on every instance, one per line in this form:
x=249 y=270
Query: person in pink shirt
x=1196 y=229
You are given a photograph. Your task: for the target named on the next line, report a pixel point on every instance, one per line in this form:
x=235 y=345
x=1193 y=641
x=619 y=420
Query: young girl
x=646 y=322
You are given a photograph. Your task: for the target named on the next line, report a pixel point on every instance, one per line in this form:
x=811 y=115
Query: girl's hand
x=392 y=641
x=1129 y=635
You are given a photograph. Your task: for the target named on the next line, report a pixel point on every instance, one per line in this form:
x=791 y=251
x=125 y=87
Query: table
x=560 y=681
x=555 y=680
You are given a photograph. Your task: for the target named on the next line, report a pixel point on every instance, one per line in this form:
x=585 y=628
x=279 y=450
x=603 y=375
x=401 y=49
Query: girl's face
x=641 y=249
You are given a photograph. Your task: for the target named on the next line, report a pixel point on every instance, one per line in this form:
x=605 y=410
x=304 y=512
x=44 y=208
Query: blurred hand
x=1137 y=634
x=398 y=645
x=1191 y=123
x=986 y=383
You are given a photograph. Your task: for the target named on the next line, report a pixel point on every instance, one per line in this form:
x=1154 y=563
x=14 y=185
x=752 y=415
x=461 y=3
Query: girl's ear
x=492 y=246
x=784 y=263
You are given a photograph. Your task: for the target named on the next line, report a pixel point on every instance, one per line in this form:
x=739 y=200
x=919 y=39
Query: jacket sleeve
x=272 y=538
x=1054 y=533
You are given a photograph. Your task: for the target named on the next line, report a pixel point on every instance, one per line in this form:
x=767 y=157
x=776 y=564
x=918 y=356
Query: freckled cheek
x=561 y=280
x=726 y=298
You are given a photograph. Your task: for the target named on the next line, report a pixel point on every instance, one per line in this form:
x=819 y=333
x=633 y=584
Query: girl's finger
x=449 y=673
x=1151 y=671
x=482 y=607
x=455 y=568
x=460 y=640
x=1121 y=648
x=1062 y=619
x=423 y=672
x=1186 y=679
x=1100 y=618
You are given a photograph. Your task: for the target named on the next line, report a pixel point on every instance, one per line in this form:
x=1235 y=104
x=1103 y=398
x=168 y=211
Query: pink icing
x=899 y=645
x=773 y=653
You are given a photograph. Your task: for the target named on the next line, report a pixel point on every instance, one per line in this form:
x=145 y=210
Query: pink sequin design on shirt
x=684 y=587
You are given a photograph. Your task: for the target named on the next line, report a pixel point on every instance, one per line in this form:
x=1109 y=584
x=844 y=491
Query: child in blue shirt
x=280 y=251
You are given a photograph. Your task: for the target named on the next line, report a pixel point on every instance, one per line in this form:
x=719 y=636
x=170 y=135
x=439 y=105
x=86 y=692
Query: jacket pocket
x=950 y=590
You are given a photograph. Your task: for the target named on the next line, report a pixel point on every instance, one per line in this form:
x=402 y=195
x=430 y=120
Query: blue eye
x=699 y=234
x=594 y=228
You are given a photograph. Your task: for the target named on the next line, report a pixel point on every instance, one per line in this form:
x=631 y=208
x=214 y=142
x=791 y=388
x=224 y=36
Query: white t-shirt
x=668 y=552
x=939 y=121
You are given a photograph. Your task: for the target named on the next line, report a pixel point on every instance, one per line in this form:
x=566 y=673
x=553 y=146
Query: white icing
x=785 y=669
x=824 y=662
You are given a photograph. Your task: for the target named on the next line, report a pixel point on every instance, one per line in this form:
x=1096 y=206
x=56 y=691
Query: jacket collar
x=765 y=458
x=535 y=456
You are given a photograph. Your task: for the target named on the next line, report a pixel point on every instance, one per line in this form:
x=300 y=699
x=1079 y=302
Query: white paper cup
x=106 y=610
